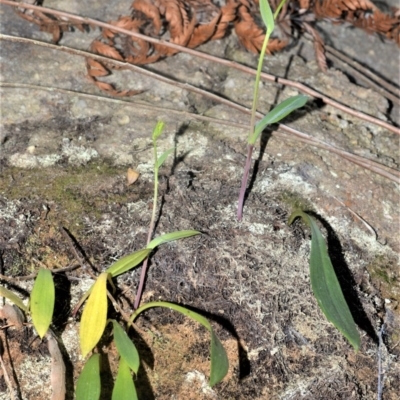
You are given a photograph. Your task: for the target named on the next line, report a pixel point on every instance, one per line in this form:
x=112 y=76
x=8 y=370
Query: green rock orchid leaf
x=94 y=315
x=219 y=359
x=13 y=298
x=125 y=347
x=124 y=388
x=88 y=386
x=128 y=262
x=169 y=237
x=42 y=301
x=325 y=284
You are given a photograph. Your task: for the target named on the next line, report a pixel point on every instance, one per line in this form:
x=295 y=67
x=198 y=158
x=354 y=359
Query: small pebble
x=31 y=149
x=123 y=120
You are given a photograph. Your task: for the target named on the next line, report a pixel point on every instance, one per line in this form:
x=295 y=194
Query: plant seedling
x=94 y=316
x=41 y=302
x=276 y=114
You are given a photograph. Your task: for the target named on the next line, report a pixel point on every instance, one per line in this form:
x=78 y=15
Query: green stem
x=153 y=215
x=252 y=127
x=257 y=83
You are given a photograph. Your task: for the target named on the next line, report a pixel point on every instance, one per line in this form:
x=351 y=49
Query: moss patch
x=77 y=191
x=385 y=276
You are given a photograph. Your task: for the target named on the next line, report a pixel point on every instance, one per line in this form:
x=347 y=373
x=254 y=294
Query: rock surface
x=63 y=162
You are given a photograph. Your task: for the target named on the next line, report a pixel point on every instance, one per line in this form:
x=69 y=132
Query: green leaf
x=42 y=301
x=158 y=130
x=325 y=284
x=88 y=386
x=278 y=113
x=219 y=359
x=169 y=237
x=128 y=262
x=126 y=349
x=94 y=316
x=267 y=16
x=124 y=388
x=13 y=298
x=163 y=157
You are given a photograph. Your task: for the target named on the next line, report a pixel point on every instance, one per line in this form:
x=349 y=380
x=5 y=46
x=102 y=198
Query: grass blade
x=325 y=284
x=128 y=262
x=267 y=16
x=13 y=298
x=42 y=301
x=169 y=237
x=278 y=9
x=88 y=386
x=126 y=349
x=163 y=157
x=158 y=130
x=278 y=113
x=219 y=359
x=94 y=316
x=124 y=388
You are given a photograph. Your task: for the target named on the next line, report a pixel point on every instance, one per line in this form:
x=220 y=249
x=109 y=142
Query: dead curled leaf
x=57 y=376
x=131 y=176
x=191 y=23
x=13 y=315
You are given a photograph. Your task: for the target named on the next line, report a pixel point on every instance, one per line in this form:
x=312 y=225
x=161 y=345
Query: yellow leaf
x=94 y=316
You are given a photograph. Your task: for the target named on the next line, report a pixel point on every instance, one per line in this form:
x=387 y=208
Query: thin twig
x=6 y=350
x=269 y=77
x=369 y=81
x=12 y=279
x=136 y=104
x=356 y=65
x=117 y=306
x=78 y=258
x=380 y=373
x=6 y=377
x=363 y=221
x=129 y=323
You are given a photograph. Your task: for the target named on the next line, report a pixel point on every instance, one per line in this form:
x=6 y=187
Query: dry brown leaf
x=319 y=46
x=193 y=22
x=57 y=375
x=131 y=176
x=13 y=315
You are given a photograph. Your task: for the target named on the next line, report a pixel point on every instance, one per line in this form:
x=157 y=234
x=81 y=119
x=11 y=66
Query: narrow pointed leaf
x=278 y=9
x=219 y=359
x=267 y=16
x=124 y=388
x=88 y=386
x=278 y=113
x=126 y=349
x=94 y=316
x=163 y=157
x=169 y=237
x=128 y=262
x=325 y=285
x=158 y=130
x=13 y=298
x=42 y=301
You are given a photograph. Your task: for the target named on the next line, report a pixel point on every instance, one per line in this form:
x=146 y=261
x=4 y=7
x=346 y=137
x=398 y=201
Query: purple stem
x=246 y=172
x=141 y=284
